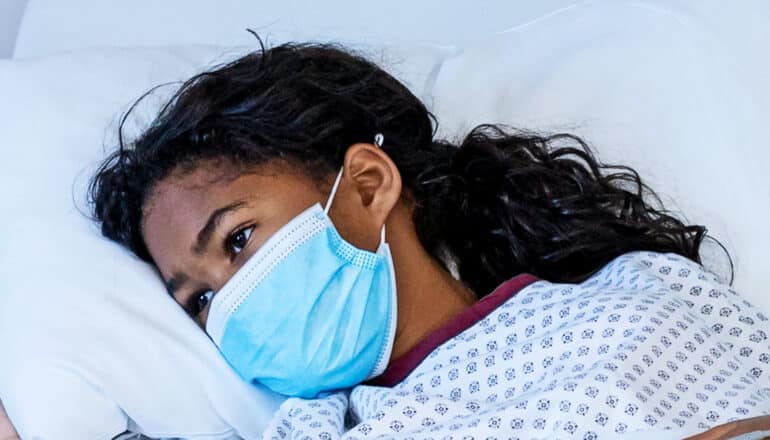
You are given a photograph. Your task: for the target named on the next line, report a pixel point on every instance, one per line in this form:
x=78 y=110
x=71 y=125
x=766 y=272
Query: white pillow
x=649 y=85
x=91 y=344
x=51 y=26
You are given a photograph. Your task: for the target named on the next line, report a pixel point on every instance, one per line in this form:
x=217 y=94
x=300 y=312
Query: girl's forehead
x=176 y=207
x=180 y=205
x=211 y=181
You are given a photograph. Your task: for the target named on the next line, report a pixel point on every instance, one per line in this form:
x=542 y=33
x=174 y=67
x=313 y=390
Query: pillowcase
x=51 y=26
x=654 y=85
x=91 y=343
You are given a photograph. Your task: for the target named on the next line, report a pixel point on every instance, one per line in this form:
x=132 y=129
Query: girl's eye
x=200 y=301
x=237 y=241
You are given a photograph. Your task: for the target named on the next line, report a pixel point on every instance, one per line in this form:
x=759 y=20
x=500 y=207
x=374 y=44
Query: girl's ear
x=375 y=178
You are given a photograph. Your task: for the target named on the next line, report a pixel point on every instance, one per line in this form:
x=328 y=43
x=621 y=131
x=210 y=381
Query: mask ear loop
x=334 y=191
x=379 y=138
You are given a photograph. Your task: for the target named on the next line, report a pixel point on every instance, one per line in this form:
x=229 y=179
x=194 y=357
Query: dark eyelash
x=192 y=303
x=231 y=237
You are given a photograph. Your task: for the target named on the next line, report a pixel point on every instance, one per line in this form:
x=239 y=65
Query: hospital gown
x=652 y=341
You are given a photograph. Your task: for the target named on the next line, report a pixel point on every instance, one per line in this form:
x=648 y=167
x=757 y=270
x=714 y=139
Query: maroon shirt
x=400 y=368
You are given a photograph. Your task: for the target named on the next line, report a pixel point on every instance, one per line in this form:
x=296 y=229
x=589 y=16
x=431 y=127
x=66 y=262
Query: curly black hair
x=502 y=202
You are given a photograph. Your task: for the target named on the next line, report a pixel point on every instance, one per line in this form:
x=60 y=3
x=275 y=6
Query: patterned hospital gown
x=652 y=341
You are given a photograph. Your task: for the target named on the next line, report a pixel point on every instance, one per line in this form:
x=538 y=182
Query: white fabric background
x=678 y=89
x=11 y=12
x=52 y=26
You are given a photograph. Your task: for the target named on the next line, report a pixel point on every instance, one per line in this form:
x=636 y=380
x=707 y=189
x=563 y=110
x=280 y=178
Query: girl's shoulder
x=633 y=273
x=643 y=268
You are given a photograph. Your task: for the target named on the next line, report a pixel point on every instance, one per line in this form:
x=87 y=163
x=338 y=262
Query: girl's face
x=201 y=226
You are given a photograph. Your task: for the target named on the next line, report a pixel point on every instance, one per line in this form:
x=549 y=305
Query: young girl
x=297 y=206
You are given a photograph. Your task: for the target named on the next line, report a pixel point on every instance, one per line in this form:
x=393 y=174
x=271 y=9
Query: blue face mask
x=308 y=312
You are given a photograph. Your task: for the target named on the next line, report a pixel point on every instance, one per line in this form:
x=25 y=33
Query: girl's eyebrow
x=202 y=241
x=204 y=236
x=173 y=284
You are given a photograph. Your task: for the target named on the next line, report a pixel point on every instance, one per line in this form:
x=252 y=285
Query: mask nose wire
x=378 y=140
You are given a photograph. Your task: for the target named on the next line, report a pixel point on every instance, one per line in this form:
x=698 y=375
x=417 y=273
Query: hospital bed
x=91 y=346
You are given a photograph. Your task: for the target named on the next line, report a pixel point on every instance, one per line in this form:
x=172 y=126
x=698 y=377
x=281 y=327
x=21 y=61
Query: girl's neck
x=428 y=295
